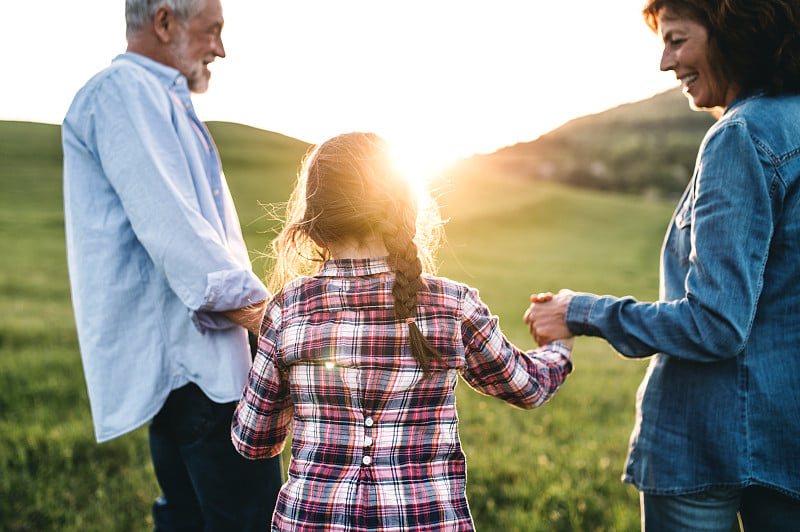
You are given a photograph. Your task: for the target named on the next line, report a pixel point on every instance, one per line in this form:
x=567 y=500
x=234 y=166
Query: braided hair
x=349 y=187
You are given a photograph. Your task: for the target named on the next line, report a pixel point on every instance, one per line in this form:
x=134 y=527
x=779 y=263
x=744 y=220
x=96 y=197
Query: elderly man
x=162 y=286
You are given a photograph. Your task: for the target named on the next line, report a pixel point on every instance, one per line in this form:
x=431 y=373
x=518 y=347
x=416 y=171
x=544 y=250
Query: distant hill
x=265 y=162
x=261 y=167
x=644 y=147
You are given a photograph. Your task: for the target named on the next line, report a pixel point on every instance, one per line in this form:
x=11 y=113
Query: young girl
x=362 y=357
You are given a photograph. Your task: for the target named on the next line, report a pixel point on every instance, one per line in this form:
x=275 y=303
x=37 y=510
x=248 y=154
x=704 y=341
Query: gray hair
x=140 y=13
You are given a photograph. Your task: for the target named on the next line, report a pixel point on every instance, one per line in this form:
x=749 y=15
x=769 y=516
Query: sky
x=440 y=79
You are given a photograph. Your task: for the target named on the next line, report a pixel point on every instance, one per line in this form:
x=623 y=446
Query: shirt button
x=216 y=192
x=367 y=460
x=367 y=441
x=368 y=422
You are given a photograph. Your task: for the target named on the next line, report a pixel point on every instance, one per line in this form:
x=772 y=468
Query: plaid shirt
x=374 y=446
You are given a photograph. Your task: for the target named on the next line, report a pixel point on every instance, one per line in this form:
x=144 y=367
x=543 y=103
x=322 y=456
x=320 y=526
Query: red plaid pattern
x=374 y=446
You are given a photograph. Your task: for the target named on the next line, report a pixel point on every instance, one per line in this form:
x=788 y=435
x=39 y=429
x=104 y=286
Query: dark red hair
x=756 y=44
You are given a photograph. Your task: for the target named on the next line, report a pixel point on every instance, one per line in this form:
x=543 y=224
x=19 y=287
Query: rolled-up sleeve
x=153 y=178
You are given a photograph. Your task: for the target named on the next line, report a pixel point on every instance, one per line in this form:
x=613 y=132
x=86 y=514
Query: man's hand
x=249 y=317
x=546 y=317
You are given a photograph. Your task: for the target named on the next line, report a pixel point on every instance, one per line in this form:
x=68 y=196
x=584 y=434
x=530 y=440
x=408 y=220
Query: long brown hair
x=350 y=187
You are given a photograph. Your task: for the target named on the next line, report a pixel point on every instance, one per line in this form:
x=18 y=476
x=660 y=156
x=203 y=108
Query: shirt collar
x=166 y=74
x=741 y=98
x=355 y=267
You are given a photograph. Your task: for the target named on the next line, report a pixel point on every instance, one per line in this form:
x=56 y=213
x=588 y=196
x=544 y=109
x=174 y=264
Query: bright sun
x=420 y=162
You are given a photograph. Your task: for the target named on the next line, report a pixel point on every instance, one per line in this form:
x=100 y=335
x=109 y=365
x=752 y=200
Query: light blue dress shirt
x=154 y=247
x=720 y=403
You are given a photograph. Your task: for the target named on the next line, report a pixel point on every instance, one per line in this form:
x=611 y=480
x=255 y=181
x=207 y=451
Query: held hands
x=546 y=317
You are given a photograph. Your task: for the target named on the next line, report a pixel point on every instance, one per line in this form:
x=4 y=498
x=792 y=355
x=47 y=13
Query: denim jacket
x=719 y=405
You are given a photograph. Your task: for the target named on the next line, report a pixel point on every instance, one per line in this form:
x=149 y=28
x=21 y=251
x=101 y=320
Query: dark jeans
x=759 y=509
x=206 y=484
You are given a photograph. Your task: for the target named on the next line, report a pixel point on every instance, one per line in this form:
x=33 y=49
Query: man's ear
x=164 y=24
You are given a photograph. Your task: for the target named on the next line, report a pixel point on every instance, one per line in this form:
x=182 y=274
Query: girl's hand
x=541 y=297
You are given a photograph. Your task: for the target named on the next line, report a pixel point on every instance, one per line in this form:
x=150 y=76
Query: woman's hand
x=546 y=317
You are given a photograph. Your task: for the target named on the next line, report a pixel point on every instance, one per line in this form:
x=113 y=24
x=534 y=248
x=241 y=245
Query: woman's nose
x=667 y=60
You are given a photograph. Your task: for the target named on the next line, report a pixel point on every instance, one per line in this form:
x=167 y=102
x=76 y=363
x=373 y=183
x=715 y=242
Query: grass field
x=556 y=468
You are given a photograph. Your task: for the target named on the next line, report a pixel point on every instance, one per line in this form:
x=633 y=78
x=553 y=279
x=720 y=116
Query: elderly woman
x=718 y=413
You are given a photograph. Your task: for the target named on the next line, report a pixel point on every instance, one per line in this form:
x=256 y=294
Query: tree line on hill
x=647 y=147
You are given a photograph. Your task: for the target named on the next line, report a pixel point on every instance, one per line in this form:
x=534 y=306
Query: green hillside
x=642 y=147
x=552 y=469
x=261 y=167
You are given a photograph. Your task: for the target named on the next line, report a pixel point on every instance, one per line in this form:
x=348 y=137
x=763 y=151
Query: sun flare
x=420 y=163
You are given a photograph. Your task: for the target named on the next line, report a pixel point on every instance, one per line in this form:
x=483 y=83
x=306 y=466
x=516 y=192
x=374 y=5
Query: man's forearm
x=249 y=317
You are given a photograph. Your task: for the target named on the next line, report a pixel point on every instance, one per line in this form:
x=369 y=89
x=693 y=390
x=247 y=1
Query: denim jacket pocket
x=680 y=239
x=683 y=219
